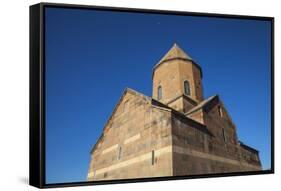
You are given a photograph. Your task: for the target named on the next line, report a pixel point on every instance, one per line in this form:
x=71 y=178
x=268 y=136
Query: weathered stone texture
x=177 y=135
x=137 y=130
x=170 y=73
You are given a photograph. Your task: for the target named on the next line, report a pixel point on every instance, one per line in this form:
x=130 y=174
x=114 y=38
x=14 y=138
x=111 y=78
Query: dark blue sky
x=92 y=56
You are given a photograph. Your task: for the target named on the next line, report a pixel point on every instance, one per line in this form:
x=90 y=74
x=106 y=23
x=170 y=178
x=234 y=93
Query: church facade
x=175 y=132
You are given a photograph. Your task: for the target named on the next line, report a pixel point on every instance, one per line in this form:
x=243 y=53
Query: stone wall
x=171 y=76
x=142 y=133
x=199 y=152
x=189 y=71
x=143 y=139
x=167 y=76
x=149 y=138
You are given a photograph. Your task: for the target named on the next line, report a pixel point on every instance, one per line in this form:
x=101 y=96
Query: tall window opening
x=119 y=153
x=220 y=111
x=159 y=93
x=186 y=87
x=94 y=174
x=152 y=157
x=223 y=135
x=126 y=105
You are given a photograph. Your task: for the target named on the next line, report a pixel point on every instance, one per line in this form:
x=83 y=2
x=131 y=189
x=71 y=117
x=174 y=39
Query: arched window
x=186 y=88
x=159 y=93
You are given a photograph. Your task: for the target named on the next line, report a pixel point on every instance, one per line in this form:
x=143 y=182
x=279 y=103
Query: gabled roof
x=127 y=90
x=203 y=104
x=176 y=53
x=153 y=103
x=207 y=105
x=193 y=123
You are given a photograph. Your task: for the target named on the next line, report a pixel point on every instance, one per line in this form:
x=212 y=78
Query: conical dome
x=175 y=52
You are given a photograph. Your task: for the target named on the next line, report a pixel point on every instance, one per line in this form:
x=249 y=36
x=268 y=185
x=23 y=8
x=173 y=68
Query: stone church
x=175 y=132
